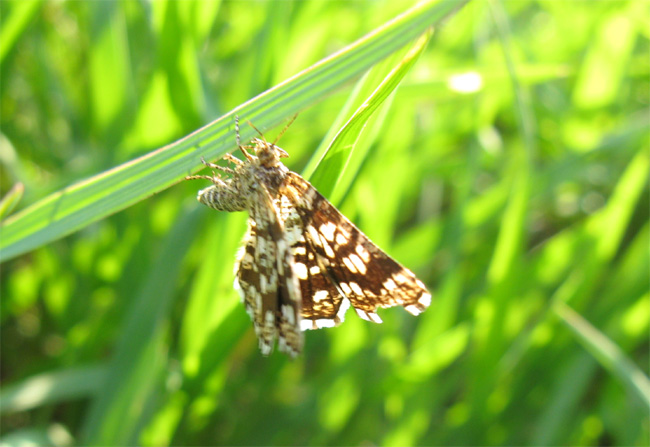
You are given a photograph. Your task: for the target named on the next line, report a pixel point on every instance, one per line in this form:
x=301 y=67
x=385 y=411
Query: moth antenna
x=256 y=130
x=238 y=139
x=285 y=129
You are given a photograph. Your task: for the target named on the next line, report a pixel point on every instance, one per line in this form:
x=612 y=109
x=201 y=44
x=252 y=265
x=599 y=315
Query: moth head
x=268 y=153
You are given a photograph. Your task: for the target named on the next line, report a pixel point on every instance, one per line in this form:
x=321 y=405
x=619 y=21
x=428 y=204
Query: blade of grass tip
x=52 y=388
x=138 y=364
x=362 y=89
x=85 y=202
x=337 y=156
x=608 y=354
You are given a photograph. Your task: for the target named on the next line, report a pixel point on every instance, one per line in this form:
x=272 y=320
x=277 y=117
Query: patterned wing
x=323 y=305
x=290 y=338
x=268 y=292
x=355 y=266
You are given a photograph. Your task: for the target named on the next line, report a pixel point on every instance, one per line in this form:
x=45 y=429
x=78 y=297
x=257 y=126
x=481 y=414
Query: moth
x=302 y=263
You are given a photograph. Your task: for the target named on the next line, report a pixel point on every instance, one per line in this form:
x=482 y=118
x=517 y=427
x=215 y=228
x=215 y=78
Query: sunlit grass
x=508 y=169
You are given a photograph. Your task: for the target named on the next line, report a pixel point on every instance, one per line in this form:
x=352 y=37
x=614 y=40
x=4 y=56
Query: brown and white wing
x=356 y=268
x=264 y=283
x=290 y=337
x=323 y=305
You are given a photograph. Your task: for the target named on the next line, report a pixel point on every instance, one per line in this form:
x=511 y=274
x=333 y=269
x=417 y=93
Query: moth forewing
x=359 y=269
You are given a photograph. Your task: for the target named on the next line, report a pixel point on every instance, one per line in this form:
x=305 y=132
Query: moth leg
x=216 y=166
x=214 y=178
x=234 y=160
x=199 y=177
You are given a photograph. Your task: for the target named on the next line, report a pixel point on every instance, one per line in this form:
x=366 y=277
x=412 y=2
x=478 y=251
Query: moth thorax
x=268 y=153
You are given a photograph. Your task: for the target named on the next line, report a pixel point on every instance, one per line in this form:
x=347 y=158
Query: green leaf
x=109 y=192
x=608 y=354
x=52 y=388
x=55 y=435
x=21 y=14
x=11 y=199
x=338 y=156
x=139 y=362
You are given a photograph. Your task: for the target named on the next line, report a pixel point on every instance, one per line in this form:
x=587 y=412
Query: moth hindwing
x=302 y=263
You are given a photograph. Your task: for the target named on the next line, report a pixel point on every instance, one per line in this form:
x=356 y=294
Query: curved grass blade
x=116 y=189
x=339 y=154
x=608 y=354
x=52 y=388
x=11 y=199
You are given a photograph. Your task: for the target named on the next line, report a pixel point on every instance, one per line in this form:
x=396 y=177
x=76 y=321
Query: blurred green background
x=509 y=170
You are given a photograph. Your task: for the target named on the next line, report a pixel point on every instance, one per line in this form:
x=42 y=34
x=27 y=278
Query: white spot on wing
x=258 y=299
x=345 y=305
x=300 y=270
x=287 y=313
x=316 y=324
x=348 y=263
x=400 y=278
x=361 y=251
x=261 y=245
x=355 y=288
x=425 y=299
x=328 y=250
x=413 y=309
x=265 y=347
x=313 y=234
x=390 y=285
x=320 y=295
x=358 y=263
x=238 y=289
x=328 y=229
x=307 y=324
x=370 y=316
x=294 y=288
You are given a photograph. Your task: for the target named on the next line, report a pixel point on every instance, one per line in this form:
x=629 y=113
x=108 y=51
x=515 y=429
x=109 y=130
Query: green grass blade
x=109 y=192
x=339 y=154
x=139 y=360
x=11 y=199
x=608 y=354
x=51 y=435
x=52 y=388
x=13 y=26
